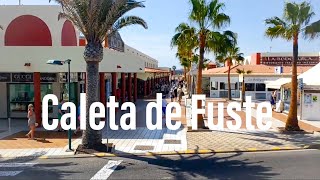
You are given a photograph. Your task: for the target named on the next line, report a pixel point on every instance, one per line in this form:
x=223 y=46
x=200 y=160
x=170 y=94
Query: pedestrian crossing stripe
x=14 y=165
x=9 y=173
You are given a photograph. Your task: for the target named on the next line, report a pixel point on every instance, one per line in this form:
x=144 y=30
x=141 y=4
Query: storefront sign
x=81 y=77
x=5 y=77
x=48 y=77
x=63 y=77
x=22 y=77
x=302 y=60
x=115 y=42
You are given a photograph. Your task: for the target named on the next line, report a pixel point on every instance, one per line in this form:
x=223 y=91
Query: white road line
x=107 y=170
x=9 y=173
x=10 y=165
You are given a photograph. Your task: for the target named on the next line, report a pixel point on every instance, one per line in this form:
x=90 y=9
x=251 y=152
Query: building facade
x=32 y=35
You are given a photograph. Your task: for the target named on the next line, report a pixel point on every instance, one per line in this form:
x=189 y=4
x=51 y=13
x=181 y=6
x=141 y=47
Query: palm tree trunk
x=292 y=121
x=229 y=81
x=93 y=55
x=199 y=77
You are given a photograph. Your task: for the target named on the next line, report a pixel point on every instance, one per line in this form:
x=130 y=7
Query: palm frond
x=313 y=30
x=98 y=18
x=127 y=21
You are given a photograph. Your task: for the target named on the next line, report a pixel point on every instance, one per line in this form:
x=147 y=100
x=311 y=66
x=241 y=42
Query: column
x=114 y=84
x=129 y=87
x=102 y=90
x=135 y=89
x=123 y=87
x=145 y=88
x=149 y=86
x=37 y=97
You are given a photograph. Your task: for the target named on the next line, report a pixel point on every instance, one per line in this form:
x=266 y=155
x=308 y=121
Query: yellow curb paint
x=43 y=157
x=276 y=148
x=252 y=149
x=204 y=151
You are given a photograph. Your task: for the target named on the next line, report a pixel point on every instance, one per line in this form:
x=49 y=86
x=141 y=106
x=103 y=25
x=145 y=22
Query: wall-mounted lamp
x=140 y=69
x=27 y=64
x=119 y=67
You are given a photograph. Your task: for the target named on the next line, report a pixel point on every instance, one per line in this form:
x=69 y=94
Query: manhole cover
x=172 y=141
x=144 y=148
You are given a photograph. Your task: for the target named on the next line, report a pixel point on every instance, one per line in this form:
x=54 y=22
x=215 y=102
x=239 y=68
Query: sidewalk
x=143 y=141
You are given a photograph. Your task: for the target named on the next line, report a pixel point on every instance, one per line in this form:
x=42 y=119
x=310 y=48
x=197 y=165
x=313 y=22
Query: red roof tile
x=256 y=69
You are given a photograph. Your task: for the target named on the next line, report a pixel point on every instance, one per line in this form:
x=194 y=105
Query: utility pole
x=19 y=2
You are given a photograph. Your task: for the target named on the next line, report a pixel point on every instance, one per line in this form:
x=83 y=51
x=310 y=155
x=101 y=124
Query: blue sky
x=247 y=19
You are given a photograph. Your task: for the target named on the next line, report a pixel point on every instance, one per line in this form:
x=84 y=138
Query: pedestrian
x=164 y=105
x=31 y=122
x=162 y=89
x=175 y=91
x=179 y=91
x=60 y=114
x=272 y=101
x=78 y=124
x=172 y=95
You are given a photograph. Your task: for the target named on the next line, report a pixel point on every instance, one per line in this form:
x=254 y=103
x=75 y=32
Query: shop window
x=20 y=96
x=260 y=87
x=47 y=89
x=222 y=86
x=214 y=86
x=250 y=86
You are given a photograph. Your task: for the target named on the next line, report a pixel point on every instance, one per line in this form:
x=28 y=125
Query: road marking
x=9 y=173
x=107 y=170
x=9 y=165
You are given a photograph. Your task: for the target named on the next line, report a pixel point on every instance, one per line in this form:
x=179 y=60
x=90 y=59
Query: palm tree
x=96 y=19
x=186 y=41
x=230 y=54
x=208 y=18
x=295 y=22
x=243 y=91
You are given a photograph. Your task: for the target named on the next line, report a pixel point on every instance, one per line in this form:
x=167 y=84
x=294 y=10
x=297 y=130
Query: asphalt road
x=266 y=165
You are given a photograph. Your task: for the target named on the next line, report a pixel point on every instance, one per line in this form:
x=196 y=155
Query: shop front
x=17 y=91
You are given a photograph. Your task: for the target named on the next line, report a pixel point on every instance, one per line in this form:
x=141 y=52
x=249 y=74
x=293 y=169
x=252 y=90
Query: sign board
x=287 y=60
x=22 y=77
x=5 y=77
x=48 y=77
x=300 y=83
x=278 y=70
x=115 y=42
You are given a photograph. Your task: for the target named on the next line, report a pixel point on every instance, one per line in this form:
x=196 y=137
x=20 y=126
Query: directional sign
x=300 y=83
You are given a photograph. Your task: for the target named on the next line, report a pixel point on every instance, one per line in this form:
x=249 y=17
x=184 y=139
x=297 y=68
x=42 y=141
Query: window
x=222 y=86
x=250 y=86
x=21 y=95
x=260 y=87
x=214 y=86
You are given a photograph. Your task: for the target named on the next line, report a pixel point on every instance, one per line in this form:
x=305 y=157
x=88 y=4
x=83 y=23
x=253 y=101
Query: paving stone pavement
x=231 y=141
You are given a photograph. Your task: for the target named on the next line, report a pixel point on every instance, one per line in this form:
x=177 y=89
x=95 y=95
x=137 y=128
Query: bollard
x=9 y=123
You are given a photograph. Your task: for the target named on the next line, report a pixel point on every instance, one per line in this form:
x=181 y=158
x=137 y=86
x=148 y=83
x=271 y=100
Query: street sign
x=300 y=83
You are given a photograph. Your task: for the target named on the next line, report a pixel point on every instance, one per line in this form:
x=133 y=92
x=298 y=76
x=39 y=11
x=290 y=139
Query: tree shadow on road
x=38 y=171
x=211 y=166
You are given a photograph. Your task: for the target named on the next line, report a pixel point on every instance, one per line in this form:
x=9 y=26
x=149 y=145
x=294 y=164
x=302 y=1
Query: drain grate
x=172 y=141
x=144 y=148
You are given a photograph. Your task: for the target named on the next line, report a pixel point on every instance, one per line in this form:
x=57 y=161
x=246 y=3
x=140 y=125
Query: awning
x=153 y=70
x=278 y=83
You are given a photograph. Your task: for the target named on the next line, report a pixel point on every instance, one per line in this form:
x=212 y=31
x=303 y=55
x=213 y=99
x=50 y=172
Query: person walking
x=164 y=105
x=179 y=91
x=31 y=122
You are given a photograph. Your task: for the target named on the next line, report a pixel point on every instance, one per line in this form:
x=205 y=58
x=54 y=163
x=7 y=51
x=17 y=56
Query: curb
x=186 y=152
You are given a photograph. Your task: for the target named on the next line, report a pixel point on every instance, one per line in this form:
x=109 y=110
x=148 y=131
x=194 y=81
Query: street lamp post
x=60 y=63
